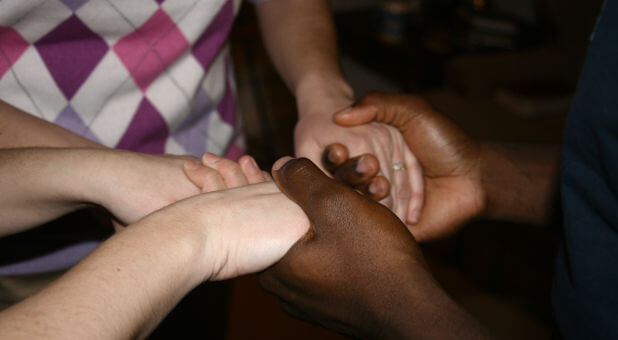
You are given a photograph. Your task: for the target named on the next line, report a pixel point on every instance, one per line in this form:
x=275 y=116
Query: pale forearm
x=40 y=184
x=122 y=290
x=126 y=286
x=300 y=38
x=19 y=129
x=520 y=181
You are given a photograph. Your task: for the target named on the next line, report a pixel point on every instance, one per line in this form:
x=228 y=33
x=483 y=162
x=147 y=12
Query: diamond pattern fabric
x=152 y=76
x=149 y=50
x=127 y=74
x=71 y=51
x=69 y=120
x=215 y=35
x=147 y=132
x=74 y=4
x=12 y=45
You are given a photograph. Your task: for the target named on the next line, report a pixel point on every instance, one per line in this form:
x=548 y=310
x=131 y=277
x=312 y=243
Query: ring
x=398 y=166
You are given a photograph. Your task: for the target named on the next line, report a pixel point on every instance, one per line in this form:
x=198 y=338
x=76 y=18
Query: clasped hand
x=450 y=159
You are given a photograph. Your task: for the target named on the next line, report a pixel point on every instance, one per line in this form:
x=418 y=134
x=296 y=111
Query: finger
x=333 y=156
x=377 y=188
x=118 y=226
x=356 y=115
x=280 y=162
x=228 y=169
x=267 y=176
x=393 y=109
x=292 y=310
x=269 y=281
x=205 y=178
x=314 y=152
x=252 y=171
x=357 y=170
x=318 y=195
x=417 y=185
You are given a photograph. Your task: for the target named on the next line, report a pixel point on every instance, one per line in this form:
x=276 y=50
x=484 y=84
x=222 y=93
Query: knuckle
x=212 y=175
x=372 y=96
x=289 y=309
x=227 y=166
x=266 y=281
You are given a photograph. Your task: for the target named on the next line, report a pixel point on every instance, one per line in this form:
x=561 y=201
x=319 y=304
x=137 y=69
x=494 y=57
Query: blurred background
x=503 y=69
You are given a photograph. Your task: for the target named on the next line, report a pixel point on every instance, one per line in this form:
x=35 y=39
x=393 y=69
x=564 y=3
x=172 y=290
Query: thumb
x=356 y=115
x=396 y=110
x=304 y=183
x=203 y=177
x=193 y=173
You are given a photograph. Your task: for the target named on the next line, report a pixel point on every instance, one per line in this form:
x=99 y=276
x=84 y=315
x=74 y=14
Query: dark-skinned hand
x=351 y=271
x=450 y=159
x=360 y=172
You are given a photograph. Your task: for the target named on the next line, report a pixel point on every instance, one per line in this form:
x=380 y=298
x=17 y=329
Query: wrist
x=183 y=230
x=318 y=94
x=519 y=181
x=423 y=310
x=96 y=169
x=414 y=290
x=489 y=159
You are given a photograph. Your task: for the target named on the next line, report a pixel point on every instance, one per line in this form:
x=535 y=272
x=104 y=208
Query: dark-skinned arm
x=519 y=181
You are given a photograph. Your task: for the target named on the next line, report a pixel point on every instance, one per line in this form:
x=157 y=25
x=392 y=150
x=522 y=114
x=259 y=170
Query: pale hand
x=314 y=132
x=450 y=159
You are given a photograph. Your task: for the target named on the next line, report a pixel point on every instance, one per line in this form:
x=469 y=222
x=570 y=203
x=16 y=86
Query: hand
x=134 y=185
x=133 y=279
x=450 y=159
x=351 y=272
x=360 y=172
x=248 y=228
x=315 y=131
x=218 y=173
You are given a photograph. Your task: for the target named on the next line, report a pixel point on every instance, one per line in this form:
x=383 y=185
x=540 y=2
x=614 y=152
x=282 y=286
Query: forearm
x=123 y=289
x=40 y=184
x=300 y=38
x=422 y=310
x=19 y=129
x=520 y=181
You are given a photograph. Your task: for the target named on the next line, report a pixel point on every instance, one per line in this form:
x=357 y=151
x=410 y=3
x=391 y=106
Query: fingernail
x=332 y=156
x=252 y=166
x=279 y=163
x=413 y=217
x=209 y=158
x=374 y=188
x=362 y=168
x=192 y=165
x=343 y=112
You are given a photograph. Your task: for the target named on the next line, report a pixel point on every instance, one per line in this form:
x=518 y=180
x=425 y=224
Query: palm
x=449 y=158
x=385 y=142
